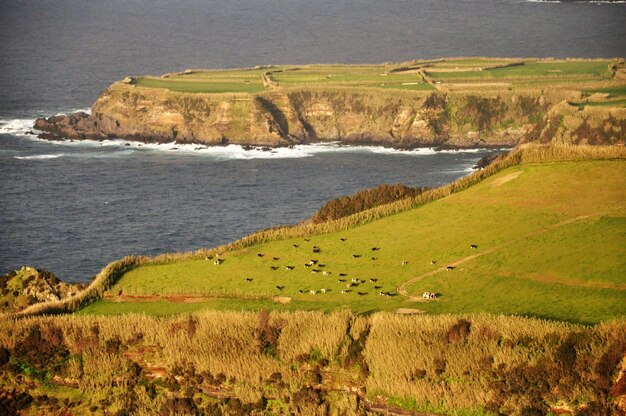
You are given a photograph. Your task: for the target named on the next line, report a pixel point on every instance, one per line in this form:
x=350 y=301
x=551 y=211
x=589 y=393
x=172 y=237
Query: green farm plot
x=212 y=86
x=618 y=91
x=563 y=69
x=471 y=62
x=233 y=74
x=551 y=237
x=298 y=77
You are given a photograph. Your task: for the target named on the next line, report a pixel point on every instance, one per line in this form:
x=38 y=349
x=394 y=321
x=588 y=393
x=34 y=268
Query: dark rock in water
x=76 y=126
x=488 y=160
x=50 y=137
x=248 y=147
x=27 y=286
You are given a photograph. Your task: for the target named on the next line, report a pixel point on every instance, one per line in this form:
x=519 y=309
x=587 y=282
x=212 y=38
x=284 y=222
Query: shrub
x=458 y=332
x=363 y=200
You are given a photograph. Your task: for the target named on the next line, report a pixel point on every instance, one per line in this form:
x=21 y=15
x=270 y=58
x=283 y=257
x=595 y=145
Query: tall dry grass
x=447 y=363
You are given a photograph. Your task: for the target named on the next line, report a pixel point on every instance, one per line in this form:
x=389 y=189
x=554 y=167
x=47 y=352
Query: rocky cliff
x=392 y=118
x=27 y=286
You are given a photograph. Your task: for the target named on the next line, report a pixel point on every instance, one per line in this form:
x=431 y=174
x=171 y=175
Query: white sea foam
x=39 y=157
x=16 y=126
x=298 y=151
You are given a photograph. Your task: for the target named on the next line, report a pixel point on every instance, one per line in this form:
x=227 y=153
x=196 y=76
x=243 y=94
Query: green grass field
x=212 y=86
x=460 y=74
x=531 y=70
x=530 y=262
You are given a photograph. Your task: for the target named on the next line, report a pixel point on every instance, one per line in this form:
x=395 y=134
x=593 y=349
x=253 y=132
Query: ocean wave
x=39 y=157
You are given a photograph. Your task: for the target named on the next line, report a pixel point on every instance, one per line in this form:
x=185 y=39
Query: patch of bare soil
x=504 y=179
x=281 y=299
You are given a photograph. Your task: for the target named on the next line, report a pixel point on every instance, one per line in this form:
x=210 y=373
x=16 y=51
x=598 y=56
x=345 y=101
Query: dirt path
x=402 y=289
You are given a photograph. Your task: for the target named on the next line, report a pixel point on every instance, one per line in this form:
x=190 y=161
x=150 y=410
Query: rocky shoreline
x=82 y=126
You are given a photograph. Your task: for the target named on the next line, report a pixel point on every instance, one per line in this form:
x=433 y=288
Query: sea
x=72 y=207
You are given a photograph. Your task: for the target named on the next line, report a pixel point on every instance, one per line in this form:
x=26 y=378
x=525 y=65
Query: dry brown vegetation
x=307 y=363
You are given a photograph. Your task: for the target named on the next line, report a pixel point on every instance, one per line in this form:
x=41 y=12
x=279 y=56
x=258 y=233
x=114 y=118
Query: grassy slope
x=574 y=272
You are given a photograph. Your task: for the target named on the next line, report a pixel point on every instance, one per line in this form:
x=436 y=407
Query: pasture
x=453 y=75
x=550 y=243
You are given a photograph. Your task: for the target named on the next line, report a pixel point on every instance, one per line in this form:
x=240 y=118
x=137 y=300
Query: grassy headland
x=448 y=102
x=550 y=243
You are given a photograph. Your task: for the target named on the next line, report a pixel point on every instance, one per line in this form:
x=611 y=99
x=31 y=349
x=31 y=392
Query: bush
x=363 y=200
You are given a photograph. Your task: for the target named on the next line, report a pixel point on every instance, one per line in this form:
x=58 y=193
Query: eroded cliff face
x=287 y=117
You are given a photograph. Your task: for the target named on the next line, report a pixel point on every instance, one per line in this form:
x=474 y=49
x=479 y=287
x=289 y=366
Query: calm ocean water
x=73 y=208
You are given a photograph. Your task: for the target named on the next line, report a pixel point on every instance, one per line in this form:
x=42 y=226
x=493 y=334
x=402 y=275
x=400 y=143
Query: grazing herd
x=355 y=282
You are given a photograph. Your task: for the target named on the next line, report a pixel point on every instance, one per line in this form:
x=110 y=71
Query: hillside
x=461 y=102
x=549 y=242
